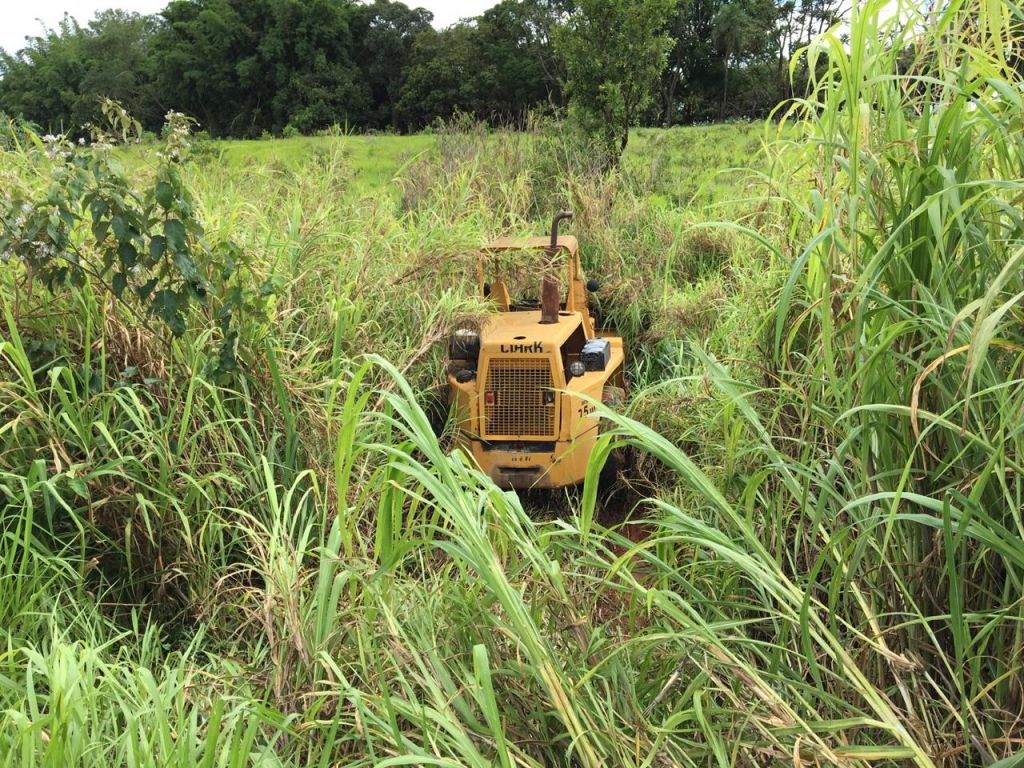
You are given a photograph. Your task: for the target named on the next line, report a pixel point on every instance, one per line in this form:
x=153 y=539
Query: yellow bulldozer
x=523 y=382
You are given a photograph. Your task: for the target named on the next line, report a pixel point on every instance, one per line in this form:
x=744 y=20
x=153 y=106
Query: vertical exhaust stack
x=549 y=289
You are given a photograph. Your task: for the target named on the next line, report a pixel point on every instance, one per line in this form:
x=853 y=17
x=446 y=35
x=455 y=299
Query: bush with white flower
x=70 y=215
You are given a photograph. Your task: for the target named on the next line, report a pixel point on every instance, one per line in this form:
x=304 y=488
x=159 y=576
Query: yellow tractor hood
x=523 y=333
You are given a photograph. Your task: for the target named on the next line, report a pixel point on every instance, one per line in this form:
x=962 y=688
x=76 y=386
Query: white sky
x=21 y=18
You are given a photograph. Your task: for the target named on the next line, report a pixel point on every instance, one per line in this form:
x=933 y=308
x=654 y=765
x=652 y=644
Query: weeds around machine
x=522 y=385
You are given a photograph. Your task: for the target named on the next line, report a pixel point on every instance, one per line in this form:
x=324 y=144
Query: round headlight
x=464 y=375
x=577 y=368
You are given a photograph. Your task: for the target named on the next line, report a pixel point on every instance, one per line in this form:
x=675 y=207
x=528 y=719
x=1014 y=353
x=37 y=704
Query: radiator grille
x=514 y=399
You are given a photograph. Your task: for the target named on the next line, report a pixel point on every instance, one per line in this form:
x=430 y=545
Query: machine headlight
x=464 y=344
x=577 y=368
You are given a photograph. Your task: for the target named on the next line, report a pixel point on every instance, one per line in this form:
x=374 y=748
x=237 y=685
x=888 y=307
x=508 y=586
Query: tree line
x=244 y=68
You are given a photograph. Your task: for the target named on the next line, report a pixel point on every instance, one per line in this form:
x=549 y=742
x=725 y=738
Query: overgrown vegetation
x=284 y=567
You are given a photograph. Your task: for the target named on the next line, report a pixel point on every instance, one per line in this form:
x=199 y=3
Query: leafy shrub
x=69 y=216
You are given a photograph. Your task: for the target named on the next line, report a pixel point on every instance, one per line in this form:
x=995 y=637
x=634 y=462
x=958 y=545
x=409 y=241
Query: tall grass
x=892 y=446
x=290 y=569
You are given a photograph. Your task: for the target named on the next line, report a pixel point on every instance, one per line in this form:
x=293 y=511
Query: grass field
x=283 y=566
x=373 y=160
x=693 y=162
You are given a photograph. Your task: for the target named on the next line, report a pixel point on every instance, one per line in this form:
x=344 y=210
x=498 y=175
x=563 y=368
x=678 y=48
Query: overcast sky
x=21 y=18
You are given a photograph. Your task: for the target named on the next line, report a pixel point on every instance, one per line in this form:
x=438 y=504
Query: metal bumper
x=533 y=465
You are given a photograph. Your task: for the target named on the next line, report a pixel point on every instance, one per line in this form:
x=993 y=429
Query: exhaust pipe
x=549 y=289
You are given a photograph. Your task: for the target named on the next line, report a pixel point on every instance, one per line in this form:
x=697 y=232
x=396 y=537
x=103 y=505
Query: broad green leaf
x=164 y=195
x=175 y=233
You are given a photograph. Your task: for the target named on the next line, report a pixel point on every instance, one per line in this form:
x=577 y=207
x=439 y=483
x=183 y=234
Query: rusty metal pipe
x=550 y=289
x=559 y=218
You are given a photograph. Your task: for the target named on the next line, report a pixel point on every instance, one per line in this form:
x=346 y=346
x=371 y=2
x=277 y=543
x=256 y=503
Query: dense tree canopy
x=497 y=68
x=58 y=79
x=383 y=34
x=245 y=67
